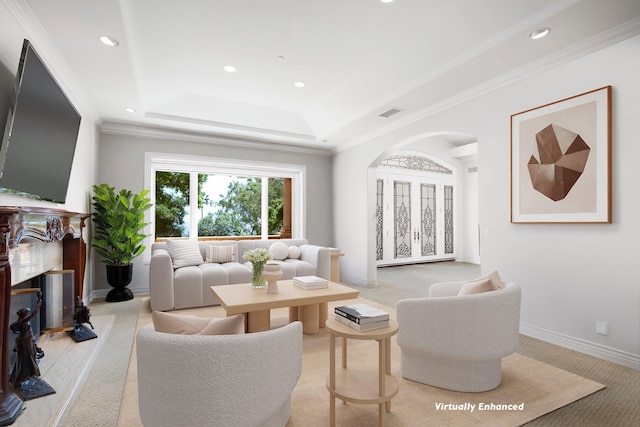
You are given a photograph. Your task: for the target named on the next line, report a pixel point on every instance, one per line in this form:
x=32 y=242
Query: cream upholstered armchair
x=458 y=342
x=218 y=380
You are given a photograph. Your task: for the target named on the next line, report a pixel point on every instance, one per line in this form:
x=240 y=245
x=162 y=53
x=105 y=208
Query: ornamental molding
x=415 y=163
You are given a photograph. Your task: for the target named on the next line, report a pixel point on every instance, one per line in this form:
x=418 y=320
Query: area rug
x=529 y=388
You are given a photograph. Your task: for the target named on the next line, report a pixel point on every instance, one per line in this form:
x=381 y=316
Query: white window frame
x=169 y=162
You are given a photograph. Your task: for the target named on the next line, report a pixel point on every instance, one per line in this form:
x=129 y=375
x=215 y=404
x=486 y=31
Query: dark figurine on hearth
x=29 y=354
x=81 y=314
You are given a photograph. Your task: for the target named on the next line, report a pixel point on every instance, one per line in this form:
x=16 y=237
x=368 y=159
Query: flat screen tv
x=40 y=134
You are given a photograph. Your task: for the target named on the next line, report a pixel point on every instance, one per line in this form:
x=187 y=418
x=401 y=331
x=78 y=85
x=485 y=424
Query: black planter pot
x=119 y=276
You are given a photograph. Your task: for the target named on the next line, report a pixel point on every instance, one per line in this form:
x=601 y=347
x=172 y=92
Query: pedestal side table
x=359 y=385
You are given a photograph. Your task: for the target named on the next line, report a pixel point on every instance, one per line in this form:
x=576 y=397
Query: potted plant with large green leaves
x=119 y=221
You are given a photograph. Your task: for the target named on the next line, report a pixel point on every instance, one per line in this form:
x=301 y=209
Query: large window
x=217 y=198
x=226 y=205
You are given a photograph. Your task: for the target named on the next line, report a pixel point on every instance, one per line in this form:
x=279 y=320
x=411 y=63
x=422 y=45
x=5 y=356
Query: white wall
x=121 y=164
x=83 y=172
x=471 y=216
x=572 y=275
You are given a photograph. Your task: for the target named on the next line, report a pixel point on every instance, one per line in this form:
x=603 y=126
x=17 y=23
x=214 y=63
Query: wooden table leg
x=387 y=346
x=382 y=371
x=323 y=312
x=259 y=321
x=332 y=380
x=310 y=319
x=293 y=314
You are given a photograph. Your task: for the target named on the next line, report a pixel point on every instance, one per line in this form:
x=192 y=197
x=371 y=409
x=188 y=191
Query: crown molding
x=235 y=129
x=615 y=35
x=155 y=132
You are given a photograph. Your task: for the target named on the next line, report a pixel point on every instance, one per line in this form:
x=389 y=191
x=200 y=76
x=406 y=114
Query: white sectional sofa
x=172 y=288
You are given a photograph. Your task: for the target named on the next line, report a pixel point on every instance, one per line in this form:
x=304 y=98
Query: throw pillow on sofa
x=294 y=252
x=193 y=325
x=221 y=254
x=490 y=282
x=184 y=252
x=224 y=326
x=279 y=251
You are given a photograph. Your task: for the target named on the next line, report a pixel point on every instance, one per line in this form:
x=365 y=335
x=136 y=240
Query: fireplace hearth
x=49 y=229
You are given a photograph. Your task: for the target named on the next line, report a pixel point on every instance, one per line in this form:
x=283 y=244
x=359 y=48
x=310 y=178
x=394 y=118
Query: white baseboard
x=355 y=281
x=592 y=349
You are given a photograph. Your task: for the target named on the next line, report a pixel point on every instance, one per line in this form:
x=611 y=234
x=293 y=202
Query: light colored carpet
x=540 y=387
x=98 y=401
x=65 y=367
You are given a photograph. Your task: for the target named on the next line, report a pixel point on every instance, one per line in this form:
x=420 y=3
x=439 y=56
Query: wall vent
x=390 y=112
x=473 y=169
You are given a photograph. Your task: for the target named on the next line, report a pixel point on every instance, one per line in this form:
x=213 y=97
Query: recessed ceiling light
x=539 y=33
x=129 y=110
x=229 y=68
x=299 y=84
x=111 y=42
x=386 y=1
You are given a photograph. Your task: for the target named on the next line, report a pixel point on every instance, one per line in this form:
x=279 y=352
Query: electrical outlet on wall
x=602 y=328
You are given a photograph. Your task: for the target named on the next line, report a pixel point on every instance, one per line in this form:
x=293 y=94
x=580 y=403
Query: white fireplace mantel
x=32 y=259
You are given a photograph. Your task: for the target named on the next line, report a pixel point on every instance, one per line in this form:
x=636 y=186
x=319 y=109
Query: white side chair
x=218 y=380
x=458 y=342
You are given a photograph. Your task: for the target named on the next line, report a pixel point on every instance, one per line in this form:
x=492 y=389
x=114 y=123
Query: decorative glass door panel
x=402 y=219
x=428 y=219
x=448 y=219
x=379 y=218
x=415 y=219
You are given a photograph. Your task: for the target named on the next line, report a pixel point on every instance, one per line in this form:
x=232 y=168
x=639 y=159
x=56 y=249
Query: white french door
x=416 y=218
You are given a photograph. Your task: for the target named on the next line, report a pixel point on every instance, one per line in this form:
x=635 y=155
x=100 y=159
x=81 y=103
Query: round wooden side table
x=359 y=385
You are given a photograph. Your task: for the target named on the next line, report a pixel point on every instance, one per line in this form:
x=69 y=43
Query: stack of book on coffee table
x=310 y=282
x=362 y=317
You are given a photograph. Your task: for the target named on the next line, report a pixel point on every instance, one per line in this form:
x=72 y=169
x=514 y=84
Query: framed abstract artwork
x=561 y=161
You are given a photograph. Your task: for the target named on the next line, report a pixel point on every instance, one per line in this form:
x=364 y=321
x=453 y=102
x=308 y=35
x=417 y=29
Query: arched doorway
x=416 y=218
x=458 y=151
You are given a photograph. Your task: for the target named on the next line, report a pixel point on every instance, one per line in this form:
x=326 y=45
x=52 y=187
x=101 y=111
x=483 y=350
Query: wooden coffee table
x=308 y=306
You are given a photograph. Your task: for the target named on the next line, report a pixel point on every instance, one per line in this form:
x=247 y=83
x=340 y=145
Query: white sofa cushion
x=184 y=253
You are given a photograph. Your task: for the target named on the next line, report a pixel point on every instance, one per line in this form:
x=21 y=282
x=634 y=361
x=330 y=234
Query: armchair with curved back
x=218 y=380
x=458 y=342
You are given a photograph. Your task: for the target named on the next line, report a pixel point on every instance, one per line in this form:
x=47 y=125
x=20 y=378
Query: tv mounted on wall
x=40 y=134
